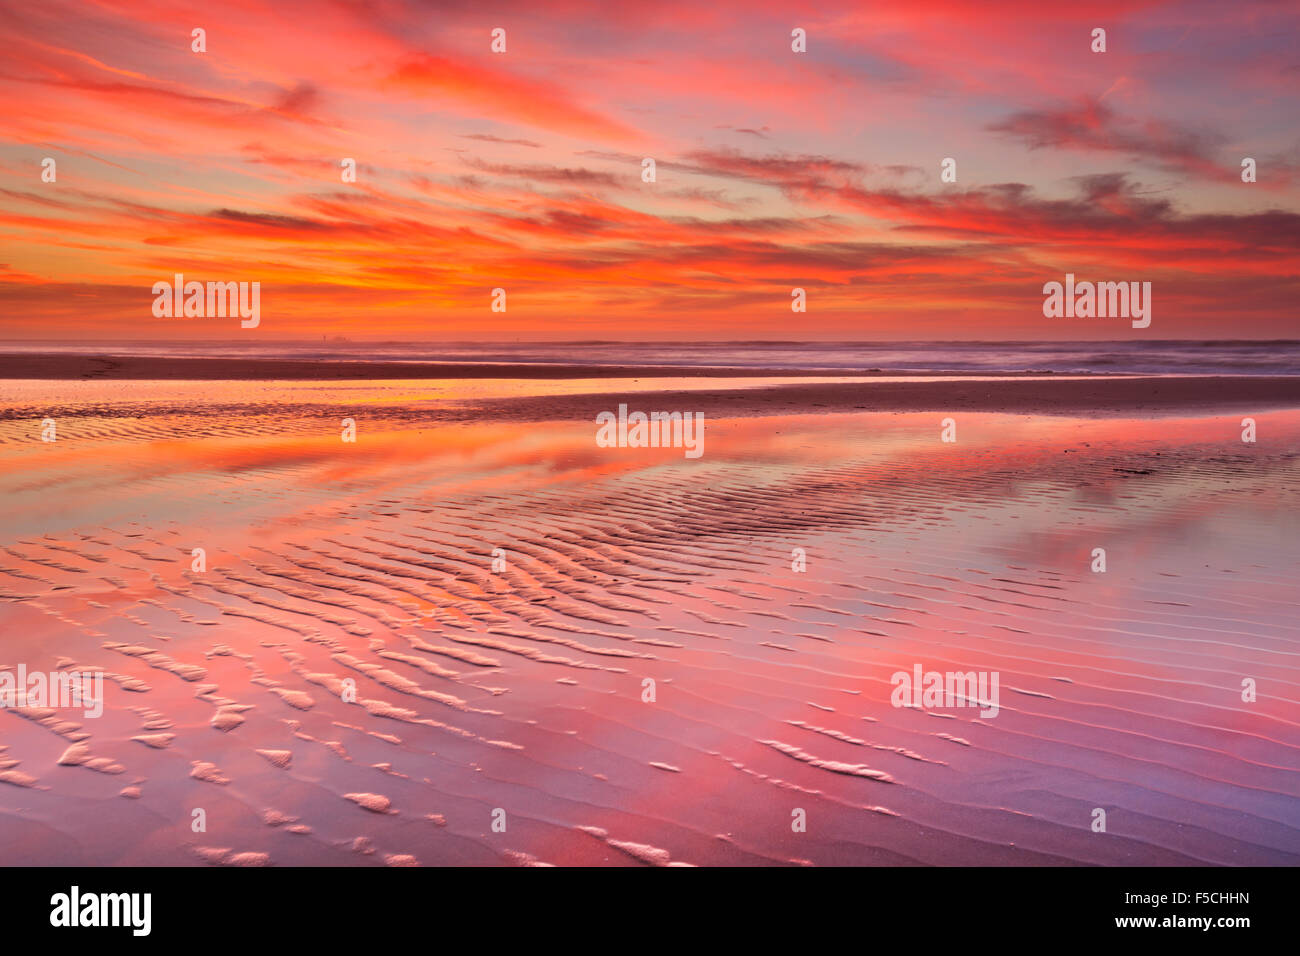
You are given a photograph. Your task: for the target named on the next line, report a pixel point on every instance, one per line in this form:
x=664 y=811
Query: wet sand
x=522 y=688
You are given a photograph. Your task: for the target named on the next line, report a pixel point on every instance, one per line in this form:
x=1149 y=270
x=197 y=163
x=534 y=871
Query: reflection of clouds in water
x=521 y=688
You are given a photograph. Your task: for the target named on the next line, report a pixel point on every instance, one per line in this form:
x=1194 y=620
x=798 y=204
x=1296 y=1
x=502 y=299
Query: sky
x=522 y=170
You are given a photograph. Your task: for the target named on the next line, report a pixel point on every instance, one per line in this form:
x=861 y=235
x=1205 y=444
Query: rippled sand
x=517 y=695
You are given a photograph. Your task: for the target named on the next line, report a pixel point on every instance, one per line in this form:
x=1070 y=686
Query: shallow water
x=521 y=690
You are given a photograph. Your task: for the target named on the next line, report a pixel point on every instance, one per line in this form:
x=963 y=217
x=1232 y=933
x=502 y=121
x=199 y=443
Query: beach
x=474 y=636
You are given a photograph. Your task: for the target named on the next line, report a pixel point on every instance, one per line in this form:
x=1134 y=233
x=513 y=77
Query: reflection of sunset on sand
x=521 y=688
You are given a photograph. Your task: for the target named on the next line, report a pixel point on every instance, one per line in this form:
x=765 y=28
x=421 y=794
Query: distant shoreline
x=170 y=361
x=58 y=367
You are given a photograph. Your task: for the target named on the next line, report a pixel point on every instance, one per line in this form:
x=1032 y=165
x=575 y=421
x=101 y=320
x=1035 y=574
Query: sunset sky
x=522 y=170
